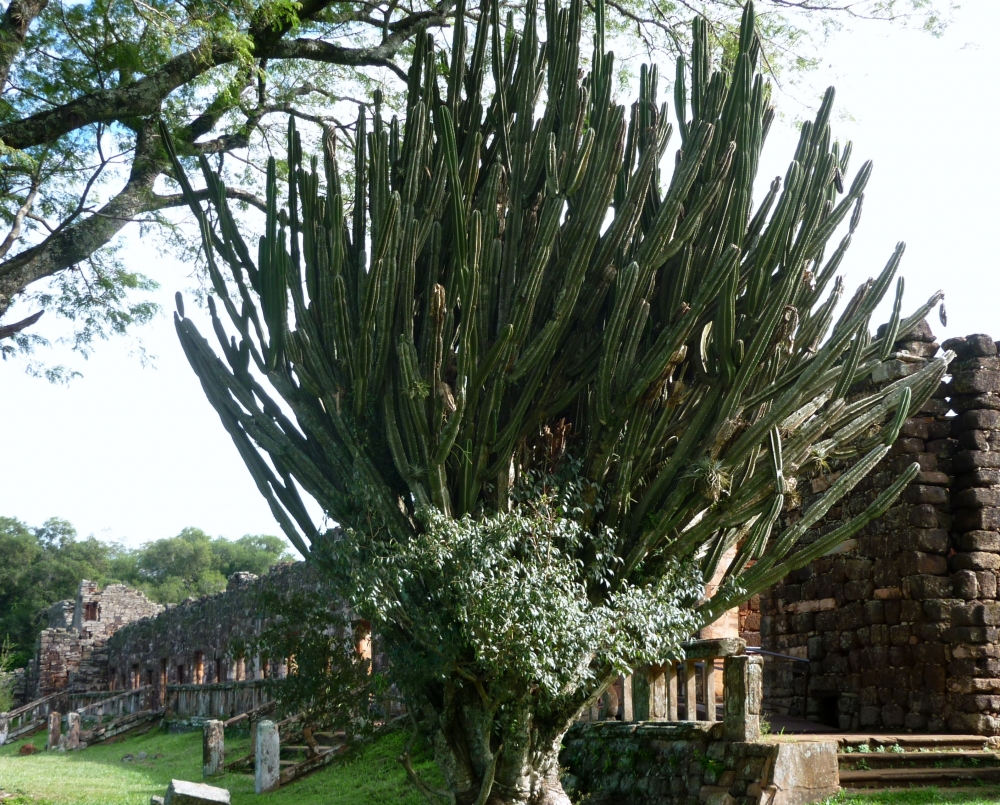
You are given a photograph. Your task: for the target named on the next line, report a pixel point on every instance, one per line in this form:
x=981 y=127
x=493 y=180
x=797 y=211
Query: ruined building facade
x=900 y=627
x=117 y=639
x=72 y=653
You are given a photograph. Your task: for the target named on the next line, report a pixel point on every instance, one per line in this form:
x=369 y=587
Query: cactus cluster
x=513 y=280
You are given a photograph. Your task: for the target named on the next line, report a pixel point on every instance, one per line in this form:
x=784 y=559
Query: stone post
x=690 y=671
x=213 y=748
x=4 y=728
x=55 y=729
x=628 y=714
x=741 y=703
x=657 y=693
x=72 y=730
x=267 y=767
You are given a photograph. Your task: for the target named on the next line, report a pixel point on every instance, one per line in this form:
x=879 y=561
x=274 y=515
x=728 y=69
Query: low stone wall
x=689 y=764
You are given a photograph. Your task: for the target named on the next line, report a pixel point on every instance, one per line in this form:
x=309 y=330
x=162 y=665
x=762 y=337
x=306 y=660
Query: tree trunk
x=512 y=759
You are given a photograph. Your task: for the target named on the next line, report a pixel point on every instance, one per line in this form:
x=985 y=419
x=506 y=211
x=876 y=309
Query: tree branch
x=13 y=329
x=15 y=229
x=13 y=31
x=143 y=97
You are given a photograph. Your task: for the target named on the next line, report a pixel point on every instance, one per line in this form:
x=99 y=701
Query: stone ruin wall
x=193 y=642
x=72 y=652
x=900 y=626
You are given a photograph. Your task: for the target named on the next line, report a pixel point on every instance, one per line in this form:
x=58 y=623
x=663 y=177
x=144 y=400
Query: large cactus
x=517 y=309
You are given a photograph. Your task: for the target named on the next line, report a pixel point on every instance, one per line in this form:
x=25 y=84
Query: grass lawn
x=97 y=776
x=990 y=795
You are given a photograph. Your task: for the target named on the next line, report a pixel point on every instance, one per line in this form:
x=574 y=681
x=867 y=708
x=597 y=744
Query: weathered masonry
x=192 y=643
x=900 y=629
x=72 y=652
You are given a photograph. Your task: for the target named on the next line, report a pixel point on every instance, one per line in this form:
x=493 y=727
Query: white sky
x=134 y=454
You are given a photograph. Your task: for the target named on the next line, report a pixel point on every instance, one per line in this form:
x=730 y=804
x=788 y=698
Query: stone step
x=890 y=778
x=851 y=760
x=912 y=742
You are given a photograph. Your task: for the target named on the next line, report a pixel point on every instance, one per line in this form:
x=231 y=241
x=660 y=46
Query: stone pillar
x=690 y=690
x=627 y=712
x=4 y=728
x=73 y=730
x=267 y=766
x=213 y=751
x=55 y=729
x=709 y=688
x=657 y=693
x=670 y=680
x=744 y=690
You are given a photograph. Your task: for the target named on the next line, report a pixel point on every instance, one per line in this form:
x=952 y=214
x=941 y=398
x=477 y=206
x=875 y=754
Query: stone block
x=981 y=419
x=55 y=730
x=923 y=587
x=213 y=748
x=977 y=498
x=267 y=762
x=182 y=792
x=978 y=541
x=73 y=730
x=983 y=477
x=860 y=590
x=976 y=560
x=938 y=610
x=918 y=563
x=984 y=519
x=804 y=772
x=928 y=540
x=920 y=333
x=917 y=428
x=974 y=440
x=971 y=346
x=964 y=584
x=987 y=583
x=970 y=460
x=922 y=493
x=923 y=516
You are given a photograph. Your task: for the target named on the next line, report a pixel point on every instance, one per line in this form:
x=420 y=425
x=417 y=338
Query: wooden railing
x=80 y=700
x=122 y=704
x=221 y=700
x=28 y=717
x=688 y=690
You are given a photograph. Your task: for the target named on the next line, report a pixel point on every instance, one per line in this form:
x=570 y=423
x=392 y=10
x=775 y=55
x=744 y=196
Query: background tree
x=541 y=392
x=84 y=84
x=193 y=563
x=42 y=565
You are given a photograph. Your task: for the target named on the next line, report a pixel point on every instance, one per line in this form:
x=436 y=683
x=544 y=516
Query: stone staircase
x=904 y=761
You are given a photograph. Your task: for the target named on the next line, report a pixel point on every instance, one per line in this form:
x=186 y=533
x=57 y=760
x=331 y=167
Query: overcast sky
x=134 y=454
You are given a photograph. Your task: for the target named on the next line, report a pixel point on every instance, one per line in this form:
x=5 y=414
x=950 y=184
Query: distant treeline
x=44 y=564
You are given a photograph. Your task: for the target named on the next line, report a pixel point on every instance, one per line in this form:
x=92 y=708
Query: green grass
x=990 y=795
x=97 y=775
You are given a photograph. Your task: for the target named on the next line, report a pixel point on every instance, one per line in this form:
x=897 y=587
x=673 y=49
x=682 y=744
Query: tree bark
x=491 y=761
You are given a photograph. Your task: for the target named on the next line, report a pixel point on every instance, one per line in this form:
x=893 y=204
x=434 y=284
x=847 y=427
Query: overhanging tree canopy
x=82 y=85
x=542 y=392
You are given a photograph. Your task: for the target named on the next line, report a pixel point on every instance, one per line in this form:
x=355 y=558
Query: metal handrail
x=756 y=650
x=792 y=658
